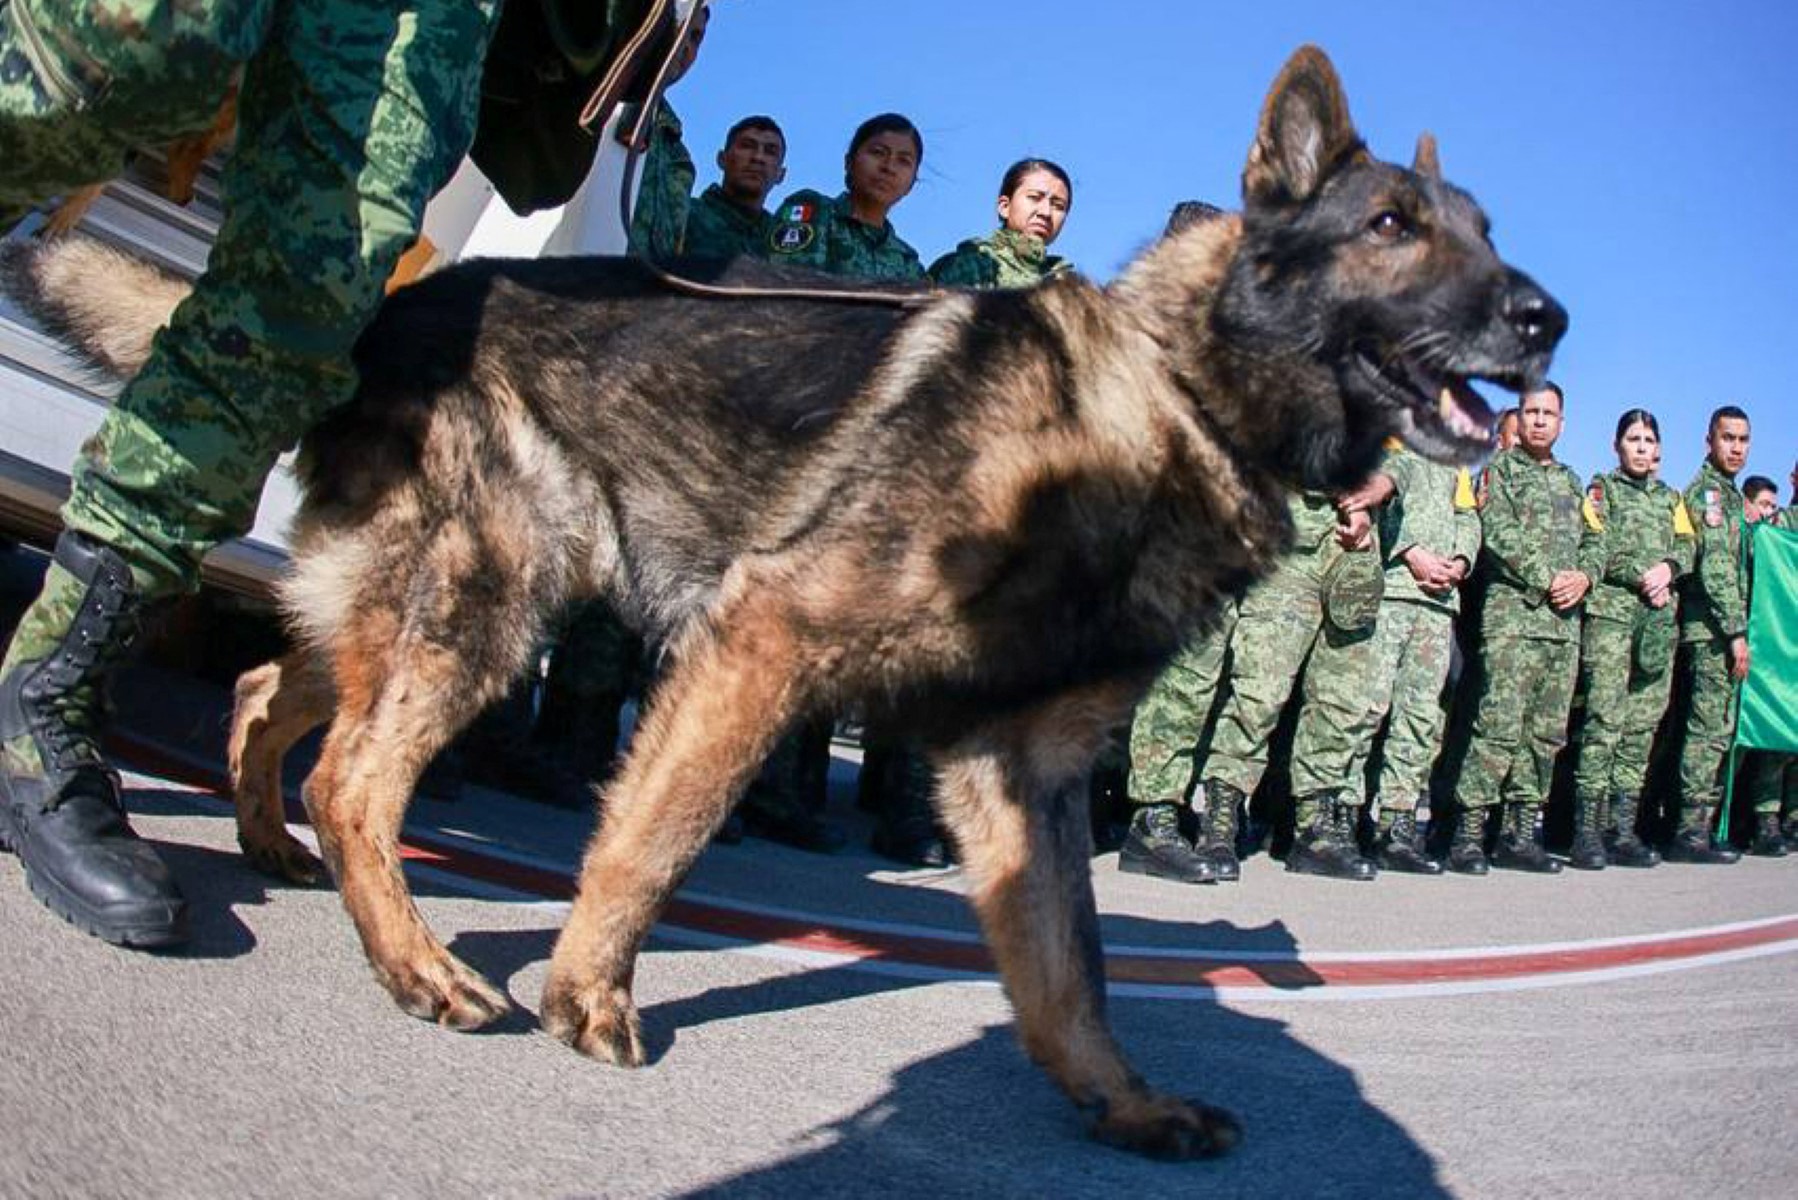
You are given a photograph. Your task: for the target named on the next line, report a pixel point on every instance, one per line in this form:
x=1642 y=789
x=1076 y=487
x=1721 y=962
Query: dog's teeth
x=1445 y=405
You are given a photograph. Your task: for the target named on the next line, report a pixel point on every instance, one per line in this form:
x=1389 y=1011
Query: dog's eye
x=1389 y=226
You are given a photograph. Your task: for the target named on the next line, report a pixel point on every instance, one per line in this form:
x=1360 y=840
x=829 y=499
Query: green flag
x=1768 y=717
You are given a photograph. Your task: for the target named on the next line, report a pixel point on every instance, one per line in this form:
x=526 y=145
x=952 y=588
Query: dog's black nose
x=1536 y=316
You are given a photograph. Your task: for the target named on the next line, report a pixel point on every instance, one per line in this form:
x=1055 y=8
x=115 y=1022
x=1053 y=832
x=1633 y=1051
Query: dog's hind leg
x=401 y=698
x=1014 y=795
x=277 y=704
x=713 y=719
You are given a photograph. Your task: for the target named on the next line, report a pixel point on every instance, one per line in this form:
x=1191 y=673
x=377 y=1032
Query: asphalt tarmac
x=827 y=1025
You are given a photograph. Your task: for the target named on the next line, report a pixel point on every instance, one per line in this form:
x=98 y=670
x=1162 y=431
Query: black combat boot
x=1325 y=844
x=60 y=804
x=1694 y=844
x=1155 y=846
x=1588 y=851
x=1401 y=849
x=1519 y=848
x=1467 y=855
x=1769 y=842
x=1623 y=847
x=1224 y=806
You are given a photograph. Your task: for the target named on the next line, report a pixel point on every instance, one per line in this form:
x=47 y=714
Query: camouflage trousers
x=1519 y=721
x=1281 y=632
x=1171 y=731
x=352 y=113
x=1623 y=709
x=1710 y=724
x=1772 y=780
x=1407 y=672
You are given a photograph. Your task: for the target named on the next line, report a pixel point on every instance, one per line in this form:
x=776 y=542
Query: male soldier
x=1533 y=528
x=1773 y=776
x=1169 y=736
x=1321 y=601
x=729 y=217
x=1760 y=499
x=1713 y=636
x=352 y=113
x=1430 y=538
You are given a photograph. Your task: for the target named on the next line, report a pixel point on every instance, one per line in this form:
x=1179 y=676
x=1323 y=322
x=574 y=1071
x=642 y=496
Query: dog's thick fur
x=989 y=520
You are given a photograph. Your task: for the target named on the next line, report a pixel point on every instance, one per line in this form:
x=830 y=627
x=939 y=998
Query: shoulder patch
x=791 y=237
x=1592 y=508
x=1682 y=520
x=1464 y=497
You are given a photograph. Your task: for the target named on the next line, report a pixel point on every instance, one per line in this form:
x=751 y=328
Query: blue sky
x=1639 y=159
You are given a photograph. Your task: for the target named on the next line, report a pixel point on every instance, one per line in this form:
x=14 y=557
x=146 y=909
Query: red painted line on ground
x=1121 y=968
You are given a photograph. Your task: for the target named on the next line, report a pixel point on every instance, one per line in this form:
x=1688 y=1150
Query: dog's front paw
x=1166 y=1127
x=449 y=992
x=601 y=1022
x=285 y=857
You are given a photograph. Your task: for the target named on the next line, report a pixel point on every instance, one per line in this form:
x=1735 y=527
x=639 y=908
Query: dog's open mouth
x=1442 y=416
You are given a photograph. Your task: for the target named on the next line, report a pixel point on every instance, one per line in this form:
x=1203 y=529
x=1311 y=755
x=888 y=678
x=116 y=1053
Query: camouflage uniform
x=1713 y=609
x=1283 y=621
x=1533 y=528
x=1627 y=646
x=352 y=114
x=1003 y=258
x=814 y=230
x=1171 y=732
x=1772 y=775
x=719 y=227
x=1432 y=507
x=659 y=219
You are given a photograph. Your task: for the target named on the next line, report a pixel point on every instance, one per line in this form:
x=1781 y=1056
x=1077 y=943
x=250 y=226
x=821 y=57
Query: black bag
x=547 y=60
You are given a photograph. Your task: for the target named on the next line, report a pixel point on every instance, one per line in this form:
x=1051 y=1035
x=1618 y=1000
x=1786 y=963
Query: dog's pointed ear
x=1305 y=133
x=1425 y=162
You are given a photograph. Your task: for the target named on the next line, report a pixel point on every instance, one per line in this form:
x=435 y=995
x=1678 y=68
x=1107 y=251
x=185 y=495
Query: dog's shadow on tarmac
x=981 y=1120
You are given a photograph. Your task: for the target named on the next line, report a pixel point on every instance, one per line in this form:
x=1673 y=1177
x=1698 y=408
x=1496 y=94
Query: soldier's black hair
x=888 y=122
x=1754 y=485
x=1728 y=412
x=1636 y=416
x=1014 y=175
x=757 y=122
x=1549 y=385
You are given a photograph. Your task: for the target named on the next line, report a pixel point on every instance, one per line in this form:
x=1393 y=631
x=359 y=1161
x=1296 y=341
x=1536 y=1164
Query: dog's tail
x=101 y=303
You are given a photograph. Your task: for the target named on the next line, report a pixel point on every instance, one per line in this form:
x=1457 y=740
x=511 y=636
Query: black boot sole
x=1131 y=865
x=1322 y=870
x=156 y=930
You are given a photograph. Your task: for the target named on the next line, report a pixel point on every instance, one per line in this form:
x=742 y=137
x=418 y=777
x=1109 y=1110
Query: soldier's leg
x=1324 y=753
x=351 y=115
x=1605 y=670
x=1762 y=773
x=1644 y=703
x=1705 y=673
x=84 y=81
x=1425 y=637
x=1552 y=669
x=1170 y=731
x=1495 y=745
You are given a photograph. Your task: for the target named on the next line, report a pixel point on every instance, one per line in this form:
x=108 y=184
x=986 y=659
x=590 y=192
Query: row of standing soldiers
x=1621 y=586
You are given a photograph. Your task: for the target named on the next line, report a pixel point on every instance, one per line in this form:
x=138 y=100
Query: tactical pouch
x=1353 y=587
x=547 y=60
x=1651 y=645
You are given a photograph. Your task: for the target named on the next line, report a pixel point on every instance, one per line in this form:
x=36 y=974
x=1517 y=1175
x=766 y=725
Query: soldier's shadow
x=980 y=1119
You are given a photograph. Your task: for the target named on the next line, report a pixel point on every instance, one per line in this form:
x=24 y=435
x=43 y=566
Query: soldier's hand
x=1656 y=584
x=1738 y=657
x=1567 y=589
x=1355 y=530
x=1376 y=491
x=1433 y=573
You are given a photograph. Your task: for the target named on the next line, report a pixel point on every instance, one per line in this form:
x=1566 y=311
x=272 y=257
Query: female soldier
x=1034 y=198
x=1646 y=542
x=851 y=234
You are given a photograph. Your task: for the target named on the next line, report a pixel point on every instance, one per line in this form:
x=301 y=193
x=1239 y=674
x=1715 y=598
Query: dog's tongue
x=1464 y=410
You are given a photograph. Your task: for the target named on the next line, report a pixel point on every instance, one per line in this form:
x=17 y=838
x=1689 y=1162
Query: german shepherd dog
x=987 y=520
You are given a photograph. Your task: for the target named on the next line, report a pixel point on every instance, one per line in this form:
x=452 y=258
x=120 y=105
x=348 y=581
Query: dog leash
x=599 y=107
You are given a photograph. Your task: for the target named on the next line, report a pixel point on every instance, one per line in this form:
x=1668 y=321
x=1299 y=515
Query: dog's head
x=1363 y=297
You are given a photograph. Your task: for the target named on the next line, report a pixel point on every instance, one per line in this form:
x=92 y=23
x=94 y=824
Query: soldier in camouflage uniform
x=1771 y=775
x=1539 y=567
x=1430 y=538
x=1320 y=603
x=729 y=217
x=1644 y=544
x=1713 y=636
x=1034 y=198
x=1169 y=736
x=351 y=114
x=851 y=234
